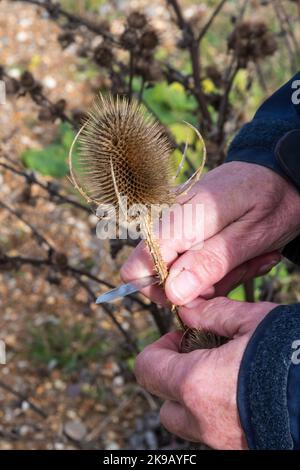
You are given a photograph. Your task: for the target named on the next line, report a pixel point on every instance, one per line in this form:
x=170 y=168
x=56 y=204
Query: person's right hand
x=250 y=213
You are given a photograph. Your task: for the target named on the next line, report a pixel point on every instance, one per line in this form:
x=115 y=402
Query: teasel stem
x=154 y=248
x=159 y=263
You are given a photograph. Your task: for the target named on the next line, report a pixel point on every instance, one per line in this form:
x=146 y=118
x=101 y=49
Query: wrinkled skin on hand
x=250 y=213
x=199 y=388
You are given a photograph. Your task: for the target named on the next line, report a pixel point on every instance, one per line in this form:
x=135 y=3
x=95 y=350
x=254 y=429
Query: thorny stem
x=131 y=74
x=23 y=397
x=195 y=58
x=285 y=32
x=66 y=268
x=41 y=100
x=232 y=72
x=35 y=408
x=32 y=179
x=141 y=91
x=211 y=19
x=158 y=261
x=290 y=31
x=249 y=290
x=14 y=262
x=193 y=47
x=261 y=77
x=55 y=10
x=39 y=237
x=154 y=248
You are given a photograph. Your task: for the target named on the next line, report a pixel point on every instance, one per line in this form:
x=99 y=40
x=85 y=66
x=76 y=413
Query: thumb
x=198 y=269
x=225 y=317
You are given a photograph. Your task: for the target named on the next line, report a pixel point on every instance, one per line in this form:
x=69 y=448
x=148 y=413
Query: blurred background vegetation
x=68 y=381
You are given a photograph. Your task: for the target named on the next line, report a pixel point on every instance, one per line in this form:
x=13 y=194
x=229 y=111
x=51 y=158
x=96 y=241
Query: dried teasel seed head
x=194 y=339
x=65 y=39
x=214 y=74
x=53 y=9
x=148 y=68
x=251 y=40
x=60 y=106
x=137 y=20
x=79 y=117
x=124 y=152
x=27 y=81
x=149 y=39
x=129 y=38
x=12 y=86
x=103 y=56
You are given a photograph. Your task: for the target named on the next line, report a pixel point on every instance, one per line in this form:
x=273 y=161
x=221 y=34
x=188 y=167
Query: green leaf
x=53 y=159
x=237 y=294
x=171 y=103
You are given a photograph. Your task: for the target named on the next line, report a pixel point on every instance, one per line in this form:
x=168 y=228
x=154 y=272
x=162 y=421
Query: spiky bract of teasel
x=194 y=339
x=125 y=153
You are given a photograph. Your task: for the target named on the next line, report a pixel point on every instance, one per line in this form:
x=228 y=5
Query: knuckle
x=215 y=305
x=187 y=390
x=140 y=368
x=210 y=264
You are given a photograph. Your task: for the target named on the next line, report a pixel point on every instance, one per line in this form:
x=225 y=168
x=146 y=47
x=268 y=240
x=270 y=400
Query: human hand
x=199 y=388
x=250 y=212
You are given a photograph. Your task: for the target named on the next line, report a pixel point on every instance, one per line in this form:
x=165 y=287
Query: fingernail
x=267 y=267
x=183 y=286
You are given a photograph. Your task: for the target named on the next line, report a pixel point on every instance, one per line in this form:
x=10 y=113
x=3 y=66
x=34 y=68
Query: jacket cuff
x=287 y=155
x=259 y=140
x=269 y=382
x=274 y=144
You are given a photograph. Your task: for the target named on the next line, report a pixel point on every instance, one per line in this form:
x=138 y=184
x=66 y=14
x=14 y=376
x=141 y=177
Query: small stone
x=72 y=415
x=151 y=440
x=73 y=390
x=152 y=421
x=22 y=36
x=139 y=425
x=58 y=446
x=59 y=384
x=24 y=430
x=118 y=381
x=25 y=406
x=49 y=82
x=52 y=364
x=112 y=446
x=75 y=430
x=136 y=441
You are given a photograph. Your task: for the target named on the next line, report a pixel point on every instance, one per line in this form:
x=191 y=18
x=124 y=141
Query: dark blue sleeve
x=269 y=382
x=256 y=142
x=272 y=139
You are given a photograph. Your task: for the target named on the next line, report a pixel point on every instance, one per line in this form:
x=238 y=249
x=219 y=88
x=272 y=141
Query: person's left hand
x=200 y=388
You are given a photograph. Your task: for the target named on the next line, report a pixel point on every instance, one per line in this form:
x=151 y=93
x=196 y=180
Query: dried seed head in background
x=124 y=152
x=137 y=20
x=252 y=40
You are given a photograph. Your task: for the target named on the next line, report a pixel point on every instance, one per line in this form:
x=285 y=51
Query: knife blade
x=127 y=289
